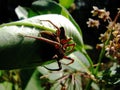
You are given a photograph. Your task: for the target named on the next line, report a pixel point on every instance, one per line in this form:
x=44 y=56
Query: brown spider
x=59 y=41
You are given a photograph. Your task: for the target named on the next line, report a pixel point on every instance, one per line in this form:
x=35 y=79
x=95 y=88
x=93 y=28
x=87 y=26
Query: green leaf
x=47 y=6
x=35 y=82
x=17 y=51
x=78 y=83
x=44 y=7
x=111 y=76
x=66 y=3
x=21 y=12
x=80 y=65
x=41 y=7
x=6 y=86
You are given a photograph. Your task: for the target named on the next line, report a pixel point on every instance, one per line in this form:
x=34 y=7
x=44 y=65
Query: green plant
x=20 y=52
x=109 y=45
x=15 y=47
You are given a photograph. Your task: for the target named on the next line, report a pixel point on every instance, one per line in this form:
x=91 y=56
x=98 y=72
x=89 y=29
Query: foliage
x=21 y=58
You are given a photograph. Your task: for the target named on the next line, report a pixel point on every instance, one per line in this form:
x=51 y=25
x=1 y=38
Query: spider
x=58 y=41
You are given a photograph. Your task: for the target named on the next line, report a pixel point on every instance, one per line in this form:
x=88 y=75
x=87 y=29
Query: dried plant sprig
x=101 y=13
x=93 y=23
x=112 y=33
x=113 y=48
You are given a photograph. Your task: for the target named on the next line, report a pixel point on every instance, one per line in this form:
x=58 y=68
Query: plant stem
x=100 y=59
x=102 y=53
x=88 y=85
x=97 y=68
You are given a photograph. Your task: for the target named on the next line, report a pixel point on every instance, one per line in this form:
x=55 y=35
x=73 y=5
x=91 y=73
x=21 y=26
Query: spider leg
x=69 y=45
x=65 y=45
x=64 y=41
x=56 y=44
x=58 y=29
x=57 y=69
x=72 y=60
x=51 y=23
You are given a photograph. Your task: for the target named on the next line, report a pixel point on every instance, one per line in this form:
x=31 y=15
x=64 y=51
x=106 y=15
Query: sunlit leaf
x=34 y=82
x=21 y=12
x=17 y=51
x=41 y=7
x=45 y=7
x=6 y=86
x=66 y=3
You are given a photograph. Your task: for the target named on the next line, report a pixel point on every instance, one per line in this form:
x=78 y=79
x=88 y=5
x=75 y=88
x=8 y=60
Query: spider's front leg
x=65 y=44
x=69 y=45
x=68 y=58
x=59 y=64
x=57 y=69
x=54 y=43
x=58 y=29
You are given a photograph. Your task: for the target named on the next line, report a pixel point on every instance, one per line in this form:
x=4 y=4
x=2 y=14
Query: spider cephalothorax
x=58 y=41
